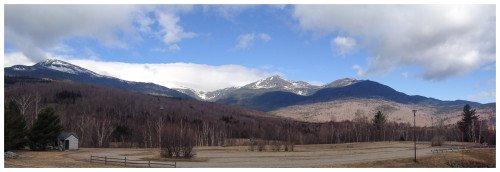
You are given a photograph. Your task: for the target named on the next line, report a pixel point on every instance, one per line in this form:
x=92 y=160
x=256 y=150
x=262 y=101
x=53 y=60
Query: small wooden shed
x=67 y=141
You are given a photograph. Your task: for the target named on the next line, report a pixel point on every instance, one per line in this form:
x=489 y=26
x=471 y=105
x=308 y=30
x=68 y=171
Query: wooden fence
x=126 y=161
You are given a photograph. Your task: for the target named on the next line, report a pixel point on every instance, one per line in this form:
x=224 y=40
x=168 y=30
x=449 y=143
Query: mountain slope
x=349 y=109
x=60 y=70
x=360 y=89
x=259 y=89
x=371 y=89
x=276 y=83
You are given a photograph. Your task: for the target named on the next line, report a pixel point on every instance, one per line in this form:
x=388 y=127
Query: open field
x=375 y=154
x=474 y=158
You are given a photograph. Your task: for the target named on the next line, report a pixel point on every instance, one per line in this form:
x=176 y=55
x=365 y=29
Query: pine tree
x=15 y=127
x=465 y=125
x=45 y=129
x=379 y=122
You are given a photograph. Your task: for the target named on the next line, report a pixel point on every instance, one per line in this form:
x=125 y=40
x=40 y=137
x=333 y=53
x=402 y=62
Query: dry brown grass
x=367 y=154
x=50 y=159
x=474 y=158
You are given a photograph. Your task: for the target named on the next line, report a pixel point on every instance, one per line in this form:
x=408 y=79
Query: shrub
x=261 y=146
x=175 y=145
x=276 y=146
x=288 y=146
x=251 y=146
x=438 y=141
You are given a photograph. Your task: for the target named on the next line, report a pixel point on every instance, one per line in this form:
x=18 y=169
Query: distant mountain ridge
x=278 y=93
x=61 y=70
x=267 y=94
x=270 y=84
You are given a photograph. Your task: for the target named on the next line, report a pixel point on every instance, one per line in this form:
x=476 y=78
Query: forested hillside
x=102 y=115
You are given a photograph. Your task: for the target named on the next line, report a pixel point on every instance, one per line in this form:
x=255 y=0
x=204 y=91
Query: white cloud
x=39 y=30
x=17 y=58
x=443 y=40
x=172 y=32
x=343 y=45
x=170 y=48
x=265 y=37
x=228 y=12
x=483 y=95
x=174 y=48
x=91 y=54
x=144 y=23
x=177 y=75
x=200 y=77
x=405 y=74
x=36 y=29
x=359 y=70
x=245 y=40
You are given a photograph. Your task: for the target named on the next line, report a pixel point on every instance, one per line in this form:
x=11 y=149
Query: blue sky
x=446 y=52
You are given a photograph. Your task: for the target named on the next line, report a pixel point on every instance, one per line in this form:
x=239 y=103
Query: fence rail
x=126 y=161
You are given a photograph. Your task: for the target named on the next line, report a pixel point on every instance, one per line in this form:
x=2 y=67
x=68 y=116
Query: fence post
x=125 y=161
x=149 y=163
x=105 y=160
x=175 y=164
x=90 y=158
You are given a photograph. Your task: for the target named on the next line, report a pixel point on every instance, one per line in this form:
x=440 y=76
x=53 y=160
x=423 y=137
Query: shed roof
x=65 y=135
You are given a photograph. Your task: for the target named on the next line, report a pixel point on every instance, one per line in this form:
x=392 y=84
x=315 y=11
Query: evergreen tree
x=466 y=124
x=15 y=127
x=45 y=129
x=379 y=122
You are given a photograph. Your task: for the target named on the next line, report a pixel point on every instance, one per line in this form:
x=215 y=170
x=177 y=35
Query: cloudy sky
x=441 y=51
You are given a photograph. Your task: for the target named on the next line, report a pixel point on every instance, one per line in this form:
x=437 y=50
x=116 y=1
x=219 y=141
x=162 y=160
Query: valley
x=269 y=123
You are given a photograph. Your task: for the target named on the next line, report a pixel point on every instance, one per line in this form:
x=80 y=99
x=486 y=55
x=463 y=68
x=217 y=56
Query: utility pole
x=160 y=126
x=414 y=138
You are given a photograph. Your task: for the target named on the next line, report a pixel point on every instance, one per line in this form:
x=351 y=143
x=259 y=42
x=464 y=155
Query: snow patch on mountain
x=341 y=83
x=62 y=66
x=19 y=68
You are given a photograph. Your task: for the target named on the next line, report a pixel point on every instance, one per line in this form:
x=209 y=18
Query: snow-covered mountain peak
x=341 y=83
x=274 y=78
x=66 y=67
x=55 y=62
x=277 y=83
x=301 y=84
x=274 y=81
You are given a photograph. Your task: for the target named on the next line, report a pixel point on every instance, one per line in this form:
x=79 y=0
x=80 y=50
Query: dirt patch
x=159 y=158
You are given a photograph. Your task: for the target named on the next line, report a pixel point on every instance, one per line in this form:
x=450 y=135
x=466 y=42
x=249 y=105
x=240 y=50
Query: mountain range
x=61 y=70
x=269 y=94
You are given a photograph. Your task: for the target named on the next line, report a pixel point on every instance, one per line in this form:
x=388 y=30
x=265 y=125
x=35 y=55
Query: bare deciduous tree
x=104 y=128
